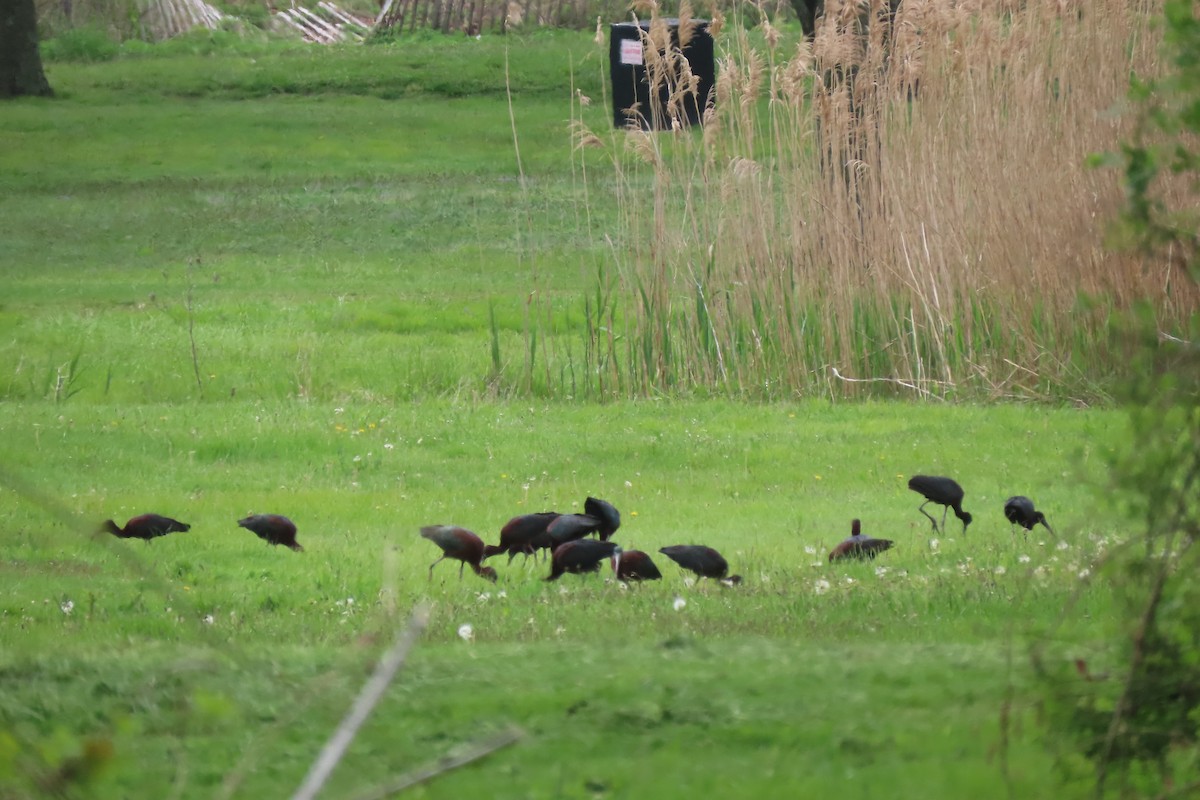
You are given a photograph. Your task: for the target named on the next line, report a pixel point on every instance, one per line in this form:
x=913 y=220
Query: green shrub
x=87 y=44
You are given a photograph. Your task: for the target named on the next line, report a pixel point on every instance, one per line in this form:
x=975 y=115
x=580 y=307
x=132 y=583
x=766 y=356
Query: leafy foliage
x=1143 y=724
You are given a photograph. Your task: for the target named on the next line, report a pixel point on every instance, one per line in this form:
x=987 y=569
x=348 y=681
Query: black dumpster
x=632 y=100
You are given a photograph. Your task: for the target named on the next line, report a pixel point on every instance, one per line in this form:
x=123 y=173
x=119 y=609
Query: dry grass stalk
x=910 y=203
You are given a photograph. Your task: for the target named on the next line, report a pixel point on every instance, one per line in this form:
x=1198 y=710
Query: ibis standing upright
x=944 y=492
x=1019 y=510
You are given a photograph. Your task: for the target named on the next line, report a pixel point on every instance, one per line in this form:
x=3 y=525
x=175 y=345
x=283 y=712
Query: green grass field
x=331 y=253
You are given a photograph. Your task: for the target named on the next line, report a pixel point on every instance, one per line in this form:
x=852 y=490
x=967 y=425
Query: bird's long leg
x=946 y=510
x=926 y=513
x=511 y=555
x=461 y=564
x=434 y=564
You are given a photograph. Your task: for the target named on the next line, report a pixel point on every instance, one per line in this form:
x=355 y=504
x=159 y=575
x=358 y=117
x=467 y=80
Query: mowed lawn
x=304 y=325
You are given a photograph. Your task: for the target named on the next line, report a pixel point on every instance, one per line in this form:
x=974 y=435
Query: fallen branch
x=897 y=381
x=370 y=695
x=475 y=752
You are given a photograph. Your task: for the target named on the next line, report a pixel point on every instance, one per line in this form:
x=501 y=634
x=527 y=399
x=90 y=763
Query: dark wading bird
x=604 y=512
x=145 y=527
x=704 y=561
x=859 y=545
x=944 y=492
x=519 y=534
x=582 y=555
x=634 y=565
x=461 y=544
x=566 y=528
x=272 y=528
x=1019 y=510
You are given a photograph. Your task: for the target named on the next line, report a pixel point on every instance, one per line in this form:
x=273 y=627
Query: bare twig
x=448 y=763
x=372 y=692
x=898 y=381
x=191 y=316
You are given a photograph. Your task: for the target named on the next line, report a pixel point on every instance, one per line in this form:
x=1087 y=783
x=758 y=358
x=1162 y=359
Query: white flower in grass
x=560 y=630
x=483 y=597
x=1084 y=573
x=466 y=632
x=689 y=582
x=817 y=564
x=339 y=410
x=848 y=581
x=67 y=607
x=1000 y=570
x=388 y=446
x=208 y=619
x=679 y=603
x=1062 y=546
x=628 y=484
x=812 y=551
x=881 y=571
x=500 y=595
x=821 y=586
x=357 y=459
x=1024 y=559
x=934 y=544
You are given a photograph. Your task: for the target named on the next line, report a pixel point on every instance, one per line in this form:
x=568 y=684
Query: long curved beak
x=616 y=560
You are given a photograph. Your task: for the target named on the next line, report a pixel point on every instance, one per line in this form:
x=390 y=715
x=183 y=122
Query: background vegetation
x=248 y=276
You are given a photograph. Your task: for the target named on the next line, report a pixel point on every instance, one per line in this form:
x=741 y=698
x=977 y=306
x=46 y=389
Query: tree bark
x=20 y=62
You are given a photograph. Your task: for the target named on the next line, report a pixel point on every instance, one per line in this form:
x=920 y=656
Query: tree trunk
x=20 y=62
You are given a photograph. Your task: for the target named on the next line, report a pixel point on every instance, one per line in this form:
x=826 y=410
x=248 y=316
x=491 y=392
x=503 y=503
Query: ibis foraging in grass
x=461 y=545
x=272 y=528
x=634 y=565
x=582 y=555
x=704 y=561
x=520 y=533
x=1019 y=510
x=944 y=492
x=859 y=545
x=145 y=527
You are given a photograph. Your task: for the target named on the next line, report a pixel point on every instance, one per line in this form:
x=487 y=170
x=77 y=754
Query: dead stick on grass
x=905 y=384
x=481 y=749
x=370 y=695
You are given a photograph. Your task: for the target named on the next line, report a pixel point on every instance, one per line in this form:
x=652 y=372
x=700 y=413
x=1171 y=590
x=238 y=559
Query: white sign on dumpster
x=631 y=51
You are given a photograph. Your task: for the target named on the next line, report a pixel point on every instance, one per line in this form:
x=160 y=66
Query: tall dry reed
x=901 y=206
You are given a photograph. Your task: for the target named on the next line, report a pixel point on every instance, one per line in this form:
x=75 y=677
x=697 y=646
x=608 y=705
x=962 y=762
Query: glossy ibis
x=582 y=555
x=704 y=561
x=1019 y=510
x=460 y=544
x=634 y=565
x=944 y=492
x=566 y=528
x=272 y=528
x=607 y=515
x=145 y=527
x=519 y=533
x=859 y=545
